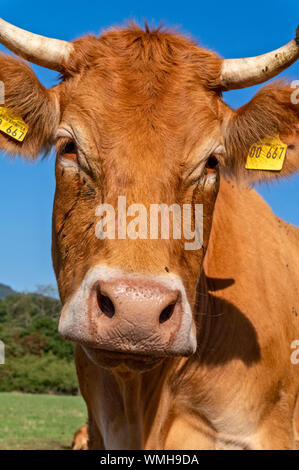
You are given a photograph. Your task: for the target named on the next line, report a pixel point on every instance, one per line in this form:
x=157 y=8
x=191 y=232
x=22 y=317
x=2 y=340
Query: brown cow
x=176 y=348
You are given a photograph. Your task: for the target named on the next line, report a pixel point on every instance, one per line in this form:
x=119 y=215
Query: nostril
x=166 y=313
x=105 y=304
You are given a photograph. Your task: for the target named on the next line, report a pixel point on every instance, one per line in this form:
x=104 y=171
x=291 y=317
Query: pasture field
x=39 y=421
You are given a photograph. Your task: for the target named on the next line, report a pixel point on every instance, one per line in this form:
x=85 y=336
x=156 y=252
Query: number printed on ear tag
x=268 y=154
x=12 y=125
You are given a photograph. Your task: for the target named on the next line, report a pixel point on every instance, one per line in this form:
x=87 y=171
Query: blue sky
x=233 y=29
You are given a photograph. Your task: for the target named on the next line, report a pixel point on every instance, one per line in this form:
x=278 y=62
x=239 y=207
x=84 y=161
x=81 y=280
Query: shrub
x=37 y=359
x=35 y=374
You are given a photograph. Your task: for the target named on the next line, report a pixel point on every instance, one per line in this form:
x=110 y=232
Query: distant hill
x=5 y=291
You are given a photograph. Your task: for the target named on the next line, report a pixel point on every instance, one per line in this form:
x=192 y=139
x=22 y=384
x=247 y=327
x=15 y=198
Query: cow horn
x=240 y=73
x=47 y=52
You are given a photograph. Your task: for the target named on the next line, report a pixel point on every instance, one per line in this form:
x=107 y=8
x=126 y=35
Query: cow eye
x=212 y=163
x=68 y=152
x=70 y=149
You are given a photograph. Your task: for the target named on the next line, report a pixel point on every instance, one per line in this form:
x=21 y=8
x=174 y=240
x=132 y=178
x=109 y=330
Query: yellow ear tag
x=268 y=154
x=11 y=125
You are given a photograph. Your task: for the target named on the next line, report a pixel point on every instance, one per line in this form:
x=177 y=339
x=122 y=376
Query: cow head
x=139 y=125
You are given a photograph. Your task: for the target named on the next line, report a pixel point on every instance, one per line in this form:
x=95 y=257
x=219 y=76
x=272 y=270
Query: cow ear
x=271 y=119
x=24 y=98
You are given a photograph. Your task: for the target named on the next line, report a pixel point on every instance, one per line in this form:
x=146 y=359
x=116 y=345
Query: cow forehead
x=139 y=86
x=150 y=55
x=156 y=133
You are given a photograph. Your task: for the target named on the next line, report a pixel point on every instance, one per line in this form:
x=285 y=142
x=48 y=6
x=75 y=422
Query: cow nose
x=134 y=314
x=130 y=313
x=153 y=300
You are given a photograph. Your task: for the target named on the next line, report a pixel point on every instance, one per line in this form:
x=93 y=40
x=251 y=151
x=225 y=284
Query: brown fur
x=146 y=112
x=239 y=390
x=269 y=113
x=80 y=440
x=25 y=95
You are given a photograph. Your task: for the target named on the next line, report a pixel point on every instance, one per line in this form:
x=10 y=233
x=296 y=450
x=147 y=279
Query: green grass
x=39 y=421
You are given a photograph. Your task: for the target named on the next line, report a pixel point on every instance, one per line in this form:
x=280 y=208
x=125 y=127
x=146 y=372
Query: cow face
x=139 y=123
x=128 y=144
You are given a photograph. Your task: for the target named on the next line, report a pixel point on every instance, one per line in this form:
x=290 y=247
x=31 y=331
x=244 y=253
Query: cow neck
x=144 y=401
